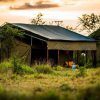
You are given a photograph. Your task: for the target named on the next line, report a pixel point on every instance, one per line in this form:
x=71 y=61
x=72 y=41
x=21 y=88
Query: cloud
x=37 y=5
x=6 y=0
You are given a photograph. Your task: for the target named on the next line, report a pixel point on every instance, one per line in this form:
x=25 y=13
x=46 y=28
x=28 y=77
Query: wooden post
x=86 y=56
x=58 y=57
x=74 y=56
x=31 y=52
x=94 y=58
x=77 y=56
x=47 y=54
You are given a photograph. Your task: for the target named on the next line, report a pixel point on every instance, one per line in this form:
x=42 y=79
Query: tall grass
x=82 y=72
x=5 y=66
x=43 y=68
x=43 y=85
x=90 y=93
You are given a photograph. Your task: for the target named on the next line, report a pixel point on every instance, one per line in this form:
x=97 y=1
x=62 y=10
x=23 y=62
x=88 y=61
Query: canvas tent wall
x=54 y=39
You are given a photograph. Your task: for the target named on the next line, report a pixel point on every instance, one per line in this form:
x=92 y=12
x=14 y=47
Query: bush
x=5 y=66
x=82 y=72
x=26 y=69
x=50 y=95
x=65 y=87
x=59 y=68
x=89 y=64
x=19 y=67
x=43 y=68
x=90 y=93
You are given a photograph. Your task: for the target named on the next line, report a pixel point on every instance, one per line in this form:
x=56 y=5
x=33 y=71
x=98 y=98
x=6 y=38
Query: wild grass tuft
x=90 y=93
x=43 y=68
x=59 y=68
x=5 y=66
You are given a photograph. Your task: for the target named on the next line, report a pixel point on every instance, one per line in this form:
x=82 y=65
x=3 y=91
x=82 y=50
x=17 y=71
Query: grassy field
x=50 y=84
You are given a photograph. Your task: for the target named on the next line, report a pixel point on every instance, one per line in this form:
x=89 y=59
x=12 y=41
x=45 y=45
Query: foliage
x=90 y=22
x=5 y=66
x=51 y=95
x=70 y=28
x=90 y=93
x=89 y=63
x=39 y=86
x=38 y=20
x=59 y=68
x=19 y=67
x=82 y=60
x=8 y=32
x=95 y=35
x=82 y=72
x=26 y=69
x=65 y=87
x=43 y=68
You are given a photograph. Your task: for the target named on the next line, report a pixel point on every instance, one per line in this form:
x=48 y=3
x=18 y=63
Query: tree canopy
x=38 y=20
x=8 y=34
x=90 y=22
x=96 y=35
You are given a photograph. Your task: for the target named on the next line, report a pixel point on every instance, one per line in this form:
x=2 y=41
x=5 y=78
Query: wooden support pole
x=86 y=56
x=58 y=57
x=31 y=51
x=74 y=56
x=47 y=54
x=77 y=56
x=93 y=58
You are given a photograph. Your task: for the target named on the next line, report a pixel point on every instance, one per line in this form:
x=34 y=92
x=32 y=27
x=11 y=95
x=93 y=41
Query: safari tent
x=54 y=44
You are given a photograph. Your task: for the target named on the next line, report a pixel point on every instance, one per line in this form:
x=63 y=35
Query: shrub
x=43 y=68
x=19 y=67
x=16 y=62
x=90 y=93
x=82 y=72
x=89 y=64
x=5 y=66
x=26 y=69
x=65 y=87
x=59 y=68
x=40 y=76
x=50 y=95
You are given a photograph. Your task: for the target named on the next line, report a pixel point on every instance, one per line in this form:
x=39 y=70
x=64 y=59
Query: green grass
x=43 y=83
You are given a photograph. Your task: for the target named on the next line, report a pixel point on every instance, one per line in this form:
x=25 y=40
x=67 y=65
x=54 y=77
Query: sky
x=67 y=11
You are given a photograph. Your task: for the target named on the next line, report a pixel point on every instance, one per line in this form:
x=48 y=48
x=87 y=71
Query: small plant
x=27 y=70
x=82 y=72
x=59 y=68
x=90 y=93
x=5 y=66
x=19 y=67
x=51 y=95
x=65 y=87
x=89 y=63
x=43 y=68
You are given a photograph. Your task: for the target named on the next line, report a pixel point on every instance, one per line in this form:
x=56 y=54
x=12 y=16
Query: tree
x=90 y=22
x=70 y=28
x=38 y=20
x=8 y=34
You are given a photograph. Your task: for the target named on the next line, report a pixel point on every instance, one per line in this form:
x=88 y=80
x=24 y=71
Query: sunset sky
x=67 y=10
